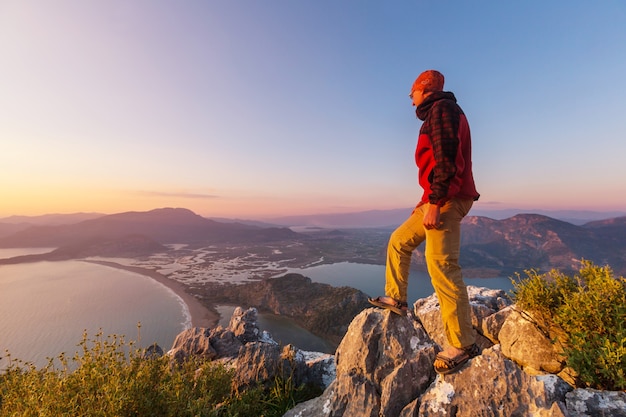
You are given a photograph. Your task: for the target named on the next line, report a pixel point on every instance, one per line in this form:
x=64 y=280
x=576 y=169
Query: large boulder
x=492 y=385
x=192 y=342
x=243 y=324
x=255 y=357
x=523 y=341
x=485 y=303
x=384 y=368
x=592 y=403
x=383 y=363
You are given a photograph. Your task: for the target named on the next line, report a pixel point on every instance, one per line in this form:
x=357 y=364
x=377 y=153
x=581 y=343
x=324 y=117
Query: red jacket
x=444 y=151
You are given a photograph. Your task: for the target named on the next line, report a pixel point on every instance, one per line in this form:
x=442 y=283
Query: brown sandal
x=398 y=307
x=456 y=363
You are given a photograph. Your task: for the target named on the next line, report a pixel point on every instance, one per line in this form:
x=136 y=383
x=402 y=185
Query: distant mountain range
x=391 y=218
x=166 y=225
x=533 y=241
x=489 y=246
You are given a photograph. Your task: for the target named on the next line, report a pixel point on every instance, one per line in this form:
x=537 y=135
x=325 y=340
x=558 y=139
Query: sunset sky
x=250 y=108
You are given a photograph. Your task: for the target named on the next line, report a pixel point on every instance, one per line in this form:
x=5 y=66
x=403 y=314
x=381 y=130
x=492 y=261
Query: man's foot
x=398 y=307
x=452 y=359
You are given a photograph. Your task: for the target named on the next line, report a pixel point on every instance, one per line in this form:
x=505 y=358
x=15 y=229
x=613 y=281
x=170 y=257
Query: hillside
x=534 y=241
x=489 y=247
x=321 y=308
x=166 y=225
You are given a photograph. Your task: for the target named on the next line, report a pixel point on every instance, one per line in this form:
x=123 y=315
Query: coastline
x=201 y=316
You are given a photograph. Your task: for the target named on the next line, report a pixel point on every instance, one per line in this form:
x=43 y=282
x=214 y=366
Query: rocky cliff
x=383 y=366
x=324 y=310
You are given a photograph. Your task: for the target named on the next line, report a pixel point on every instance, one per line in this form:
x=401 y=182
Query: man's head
x=426 y=83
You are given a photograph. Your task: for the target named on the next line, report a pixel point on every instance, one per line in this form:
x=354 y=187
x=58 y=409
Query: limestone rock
x=484 y=303
x=590 y=402
x=261 y=363
x=321 y=370
x=384 y=368
x=192 y=342
x=493 y=323
x=243 y=324
x=526 y=344
x=492 y=385
x=257 y=362
x=255 y=357
x=224 y=342
x=383 y=363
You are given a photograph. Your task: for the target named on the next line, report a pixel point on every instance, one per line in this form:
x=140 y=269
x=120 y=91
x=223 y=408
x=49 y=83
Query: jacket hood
x=423 y=109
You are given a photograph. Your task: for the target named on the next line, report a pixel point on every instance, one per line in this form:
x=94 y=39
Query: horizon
x=274 y=109
x=496 y=214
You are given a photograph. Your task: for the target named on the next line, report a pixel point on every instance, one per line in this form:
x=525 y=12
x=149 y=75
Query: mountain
x=534 y=241
x=394 y=217
x=129 y=246
x=489 y=247
x=166 y=225
x=50 y=219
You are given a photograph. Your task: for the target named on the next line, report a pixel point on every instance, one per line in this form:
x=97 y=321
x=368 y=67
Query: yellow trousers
x=442 y=260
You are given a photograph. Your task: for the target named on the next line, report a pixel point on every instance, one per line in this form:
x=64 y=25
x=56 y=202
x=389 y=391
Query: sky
x=258 y=109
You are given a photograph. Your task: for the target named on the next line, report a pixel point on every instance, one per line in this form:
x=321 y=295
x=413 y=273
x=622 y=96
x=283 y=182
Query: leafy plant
x=590 y=311
x=112 y=378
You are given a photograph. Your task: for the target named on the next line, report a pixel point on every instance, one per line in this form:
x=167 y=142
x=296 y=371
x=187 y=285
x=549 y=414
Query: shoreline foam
x=195 y=312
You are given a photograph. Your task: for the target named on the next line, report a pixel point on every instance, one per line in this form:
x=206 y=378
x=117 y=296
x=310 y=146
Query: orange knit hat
x=429 y=80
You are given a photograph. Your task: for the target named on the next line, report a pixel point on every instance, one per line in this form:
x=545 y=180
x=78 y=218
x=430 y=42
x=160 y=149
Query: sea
x=46 y=308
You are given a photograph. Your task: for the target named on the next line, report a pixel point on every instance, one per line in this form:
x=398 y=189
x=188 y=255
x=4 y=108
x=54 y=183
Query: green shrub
x=589 y=309
x=111 y=378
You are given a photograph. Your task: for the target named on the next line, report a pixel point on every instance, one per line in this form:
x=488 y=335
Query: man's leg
x=442 y=259
x=402 y=243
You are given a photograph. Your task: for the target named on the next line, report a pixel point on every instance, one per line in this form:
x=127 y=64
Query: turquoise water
x=367 y=278
x=46 y=306
x=371 y=279
x=282 y=329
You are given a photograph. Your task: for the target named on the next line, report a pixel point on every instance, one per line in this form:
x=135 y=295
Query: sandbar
x=201 y=316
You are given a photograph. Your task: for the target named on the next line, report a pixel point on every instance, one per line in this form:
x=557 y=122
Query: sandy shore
x=200 y=315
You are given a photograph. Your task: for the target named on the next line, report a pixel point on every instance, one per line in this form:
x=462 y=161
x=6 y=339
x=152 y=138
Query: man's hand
x=431 y=219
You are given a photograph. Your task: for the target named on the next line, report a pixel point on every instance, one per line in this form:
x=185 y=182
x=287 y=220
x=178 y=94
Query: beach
x=200 y=315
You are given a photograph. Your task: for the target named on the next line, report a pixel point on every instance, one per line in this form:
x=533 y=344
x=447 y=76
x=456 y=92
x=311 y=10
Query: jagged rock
x=525 y=343
x=257 y=362
x=484 y=303
x=224 y=342
x=492 y=385
x=321 y=368
x=590 y=402
x=384 y=362
x=254 y=355
x=192 y=342
x=243 y=324
x=260 y=363
x=384 y=368
x=211 y=344
x=493 y=324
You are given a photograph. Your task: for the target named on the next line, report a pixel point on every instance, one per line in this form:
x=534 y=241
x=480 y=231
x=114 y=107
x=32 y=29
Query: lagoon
x=46 y=306
x=371 y=279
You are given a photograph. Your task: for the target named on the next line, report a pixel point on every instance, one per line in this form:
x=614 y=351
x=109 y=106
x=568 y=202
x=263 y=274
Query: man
x=444 y=161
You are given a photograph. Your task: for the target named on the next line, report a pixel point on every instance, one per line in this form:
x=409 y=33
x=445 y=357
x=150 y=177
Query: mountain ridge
x=490 y=247
x=165 y=225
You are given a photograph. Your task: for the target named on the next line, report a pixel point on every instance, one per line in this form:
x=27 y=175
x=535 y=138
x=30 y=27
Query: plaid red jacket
x=444 y=150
